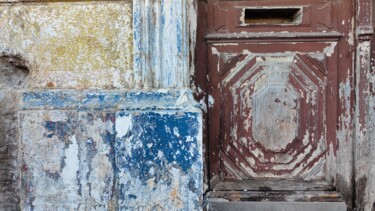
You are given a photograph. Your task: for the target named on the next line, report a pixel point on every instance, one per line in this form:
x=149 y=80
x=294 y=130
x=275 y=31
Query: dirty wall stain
x=67 y=160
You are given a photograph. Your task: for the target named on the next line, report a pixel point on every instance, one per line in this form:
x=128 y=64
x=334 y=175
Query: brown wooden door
x=274 y=69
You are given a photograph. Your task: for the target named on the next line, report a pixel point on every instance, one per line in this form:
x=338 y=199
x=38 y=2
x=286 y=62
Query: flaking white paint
x=123 y=125
x=69 y=172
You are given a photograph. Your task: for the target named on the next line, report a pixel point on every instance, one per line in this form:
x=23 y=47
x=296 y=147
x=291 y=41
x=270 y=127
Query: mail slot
x=263 y=16
x=271 y=15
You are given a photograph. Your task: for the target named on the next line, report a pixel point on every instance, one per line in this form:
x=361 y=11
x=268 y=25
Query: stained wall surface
x=87 y=120
x=71 y=44
x=95 y=150
x=94 y=111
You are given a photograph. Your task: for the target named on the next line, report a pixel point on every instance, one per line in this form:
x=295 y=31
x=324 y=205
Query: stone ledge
x=108 y=99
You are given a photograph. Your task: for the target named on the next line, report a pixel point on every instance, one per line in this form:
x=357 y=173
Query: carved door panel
x=274 y=104
x=274 y=69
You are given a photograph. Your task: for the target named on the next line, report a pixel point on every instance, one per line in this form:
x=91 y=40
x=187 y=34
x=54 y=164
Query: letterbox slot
x=272 y=16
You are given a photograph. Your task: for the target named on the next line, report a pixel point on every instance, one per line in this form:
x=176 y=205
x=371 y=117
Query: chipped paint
x=123 y=126
x=69 y=173
x=80 y=45
x=364 y=124
x=167 y=174
x=158 y=148
x=211 y=101
x=74 y=136
x=318 y=76
x=329 y=50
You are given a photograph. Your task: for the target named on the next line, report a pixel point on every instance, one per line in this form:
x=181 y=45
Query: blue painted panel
x=159 y=153
x=134 y=150
x=162 y=141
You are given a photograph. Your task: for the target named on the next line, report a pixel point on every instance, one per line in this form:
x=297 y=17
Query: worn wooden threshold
x=272 y=185
x=275 y=206
x=274 y=195
x=281 y=196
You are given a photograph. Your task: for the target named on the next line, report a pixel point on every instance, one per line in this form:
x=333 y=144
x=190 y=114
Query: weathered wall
x=106 y=150
x=99 y=151
x=71 y=45
x=9 y=165
x=78 y=129
x=13 y=76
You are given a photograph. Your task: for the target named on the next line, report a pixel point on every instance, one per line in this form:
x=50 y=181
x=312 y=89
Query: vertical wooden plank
x=343 y=174
x=364 y=137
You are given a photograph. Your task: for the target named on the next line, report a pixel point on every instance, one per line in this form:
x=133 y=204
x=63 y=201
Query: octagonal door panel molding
x=271 y=108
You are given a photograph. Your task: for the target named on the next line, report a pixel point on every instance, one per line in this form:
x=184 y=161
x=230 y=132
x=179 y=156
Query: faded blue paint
x=67 y=99
x=60 y=129
x=159 y=133
x=99 y=100
x=159 y=160
x=102 y=100
x=179 y=37
x=91 y=147
x=156 y=164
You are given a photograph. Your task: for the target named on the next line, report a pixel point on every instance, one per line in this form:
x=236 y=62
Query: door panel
x=272 y=100
x=272 y=83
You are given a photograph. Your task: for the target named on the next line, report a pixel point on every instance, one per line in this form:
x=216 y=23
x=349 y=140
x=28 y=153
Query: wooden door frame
x=354 y=91
x=364 y=93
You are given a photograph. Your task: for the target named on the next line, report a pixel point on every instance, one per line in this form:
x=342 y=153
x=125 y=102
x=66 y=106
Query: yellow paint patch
x=71 y=44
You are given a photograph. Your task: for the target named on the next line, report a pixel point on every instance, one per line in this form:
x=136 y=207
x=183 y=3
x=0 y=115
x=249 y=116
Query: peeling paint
x=168 y=172
x=93 y=158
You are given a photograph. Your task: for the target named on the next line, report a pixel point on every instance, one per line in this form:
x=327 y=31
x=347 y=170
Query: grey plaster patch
x=9 y=148
x=50 y=160
x=13 y=72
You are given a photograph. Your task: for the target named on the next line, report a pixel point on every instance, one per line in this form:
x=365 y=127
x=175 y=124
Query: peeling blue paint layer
x=161 y=153
x=158 y=140
x=100 y=100
x=111 y=150
x=50 y=99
